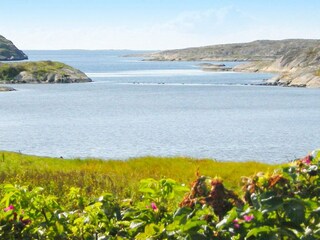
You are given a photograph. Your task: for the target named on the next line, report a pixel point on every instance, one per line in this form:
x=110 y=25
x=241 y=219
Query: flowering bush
x=281 y=205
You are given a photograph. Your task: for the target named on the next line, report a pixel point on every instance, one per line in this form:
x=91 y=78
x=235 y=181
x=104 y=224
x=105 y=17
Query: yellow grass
x=121 y=178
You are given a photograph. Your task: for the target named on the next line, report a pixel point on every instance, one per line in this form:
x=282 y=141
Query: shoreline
x=6 y=89
x=295 y=61
x=303 y=78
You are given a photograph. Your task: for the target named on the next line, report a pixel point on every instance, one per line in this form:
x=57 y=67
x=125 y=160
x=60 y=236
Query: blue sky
x=154 y=24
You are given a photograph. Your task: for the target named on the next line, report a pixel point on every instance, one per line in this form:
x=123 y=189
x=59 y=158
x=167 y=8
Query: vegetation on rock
x=40 y=72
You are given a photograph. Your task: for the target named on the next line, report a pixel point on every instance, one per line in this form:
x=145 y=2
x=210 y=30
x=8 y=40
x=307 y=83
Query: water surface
x=137 y=108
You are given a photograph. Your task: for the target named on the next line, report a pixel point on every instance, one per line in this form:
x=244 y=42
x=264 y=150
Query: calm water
x=138 y=108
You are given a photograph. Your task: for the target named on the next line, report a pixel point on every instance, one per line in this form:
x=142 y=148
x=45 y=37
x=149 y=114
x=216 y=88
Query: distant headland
x=296 y=61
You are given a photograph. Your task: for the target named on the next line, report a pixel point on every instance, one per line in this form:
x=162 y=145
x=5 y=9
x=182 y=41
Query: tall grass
x=121 y=178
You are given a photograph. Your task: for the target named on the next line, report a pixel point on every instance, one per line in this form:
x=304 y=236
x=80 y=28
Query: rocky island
x=40 y=72
x=9 y=52
x=295 y=61
x=33 y=72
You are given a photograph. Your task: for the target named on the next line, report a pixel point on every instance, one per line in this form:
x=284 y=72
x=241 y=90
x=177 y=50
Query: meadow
x=119 y=177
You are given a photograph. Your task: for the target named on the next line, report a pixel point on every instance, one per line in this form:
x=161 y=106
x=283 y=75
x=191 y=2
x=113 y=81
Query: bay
x=138 y=108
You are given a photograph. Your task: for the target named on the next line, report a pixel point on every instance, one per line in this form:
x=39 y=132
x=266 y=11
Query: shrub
x=280 y=205
x=9 y=71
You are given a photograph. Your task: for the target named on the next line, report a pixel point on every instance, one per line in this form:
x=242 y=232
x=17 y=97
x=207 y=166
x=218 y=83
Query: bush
x=9 y=71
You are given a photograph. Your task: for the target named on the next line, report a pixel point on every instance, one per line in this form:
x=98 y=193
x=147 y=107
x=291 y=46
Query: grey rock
x=6 y=89
x=9 y=52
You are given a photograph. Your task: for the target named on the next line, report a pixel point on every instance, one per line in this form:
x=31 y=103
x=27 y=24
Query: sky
x=154 y=24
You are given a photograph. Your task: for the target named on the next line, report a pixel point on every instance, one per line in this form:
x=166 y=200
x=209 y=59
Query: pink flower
x=11 y=207
x=154 y=206
x=248 y=218
x=236 y=223
x=307 y=160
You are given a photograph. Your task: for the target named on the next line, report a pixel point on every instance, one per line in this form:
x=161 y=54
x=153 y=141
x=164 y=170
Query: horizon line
x=199 y=46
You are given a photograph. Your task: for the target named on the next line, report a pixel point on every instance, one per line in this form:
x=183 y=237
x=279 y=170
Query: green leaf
x=228 y=219
x=288 y=233
x=270 y=201
x=146 y=190
x=259 y=230
x=59 y=227
x=136 y=224
x=295 y=211
x=193 y=225
x=182 y=211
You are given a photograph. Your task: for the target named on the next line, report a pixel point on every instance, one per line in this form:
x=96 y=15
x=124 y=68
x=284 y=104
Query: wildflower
x=306 y=160
x=236 y=223
x=9 y=208
x=154 y=207
x=248 y=218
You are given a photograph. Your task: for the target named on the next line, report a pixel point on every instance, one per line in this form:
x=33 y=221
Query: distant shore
x=295 y=61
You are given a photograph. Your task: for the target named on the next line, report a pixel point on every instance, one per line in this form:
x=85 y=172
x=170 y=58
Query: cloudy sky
x=154 y=24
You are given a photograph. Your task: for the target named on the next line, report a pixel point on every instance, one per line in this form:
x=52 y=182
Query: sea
x=139 y=108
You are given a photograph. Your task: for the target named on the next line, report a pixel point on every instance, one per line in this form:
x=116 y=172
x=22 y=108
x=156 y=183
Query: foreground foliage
x=284 y=204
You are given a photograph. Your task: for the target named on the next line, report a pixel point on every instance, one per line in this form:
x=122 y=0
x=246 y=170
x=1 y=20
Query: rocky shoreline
x=295 y=61
x=210 y=67
x=285 y=76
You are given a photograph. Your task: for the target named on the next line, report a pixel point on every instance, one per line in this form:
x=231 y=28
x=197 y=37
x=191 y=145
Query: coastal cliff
x=40 y=72
x=9 y=52
x=296 y=61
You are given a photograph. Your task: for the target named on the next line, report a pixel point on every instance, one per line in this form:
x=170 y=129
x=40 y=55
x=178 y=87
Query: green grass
x=318 y=73
x=9 y=71
x=121 y=178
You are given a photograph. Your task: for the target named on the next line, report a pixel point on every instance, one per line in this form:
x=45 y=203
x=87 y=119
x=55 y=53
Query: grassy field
x=95 y=176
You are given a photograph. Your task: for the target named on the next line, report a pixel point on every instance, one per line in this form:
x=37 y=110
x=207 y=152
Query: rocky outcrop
x=296 y=61
x=6 y=89
x=9 y=52
x=214 y=67
x=293 y=69
x=40 y=72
